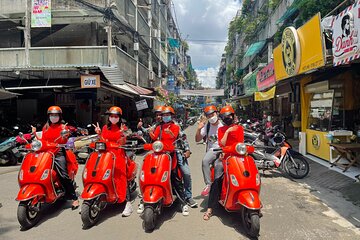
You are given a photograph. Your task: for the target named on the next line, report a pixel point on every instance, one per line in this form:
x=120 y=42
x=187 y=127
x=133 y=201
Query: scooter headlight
x=240 y=148
x=142 y=176
x=100 y=146
x=21 y=175
x=36 y=145
x=45 y=174
x=158 y=146
x=165 y=176
x=85 y=174
x=258 y=179
x=106 y=174
x=234 y=181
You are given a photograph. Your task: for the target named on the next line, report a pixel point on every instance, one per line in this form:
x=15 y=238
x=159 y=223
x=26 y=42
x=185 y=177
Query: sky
x=205 y=20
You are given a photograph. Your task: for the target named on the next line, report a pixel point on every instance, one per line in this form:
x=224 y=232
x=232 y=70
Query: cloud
x=205 y=20
x=207 y=76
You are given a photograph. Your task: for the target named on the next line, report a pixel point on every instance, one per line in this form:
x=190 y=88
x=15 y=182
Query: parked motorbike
x=272 y=151
x=9 y=153
x=98 y=180
x=155 y=182
x=38 y=180
x=241 y=186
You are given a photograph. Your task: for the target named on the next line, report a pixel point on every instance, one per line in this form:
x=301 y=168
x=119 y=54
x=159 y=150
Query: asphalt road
x=291 y=211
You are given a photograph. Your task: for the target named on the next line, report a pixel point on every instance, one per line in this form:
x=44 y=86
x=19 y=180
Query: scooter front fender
x=30 y=191
x=249 y=199
x=153 y=194
x=92 y=191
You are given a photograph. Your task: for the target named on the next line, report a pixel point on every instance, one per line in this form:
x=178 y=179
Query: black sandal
x=207 y=215
x=75 y=205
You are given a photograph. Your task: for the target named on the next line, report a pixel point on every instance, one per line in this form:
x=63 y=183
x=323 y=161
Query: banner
x=263 y=96
x=346 y=46
x=41 y=13
x=266 y=77
x=300 y=51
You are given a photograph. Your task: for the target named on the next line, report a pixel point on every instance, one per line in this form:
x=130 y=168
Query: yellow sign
x=315 y=140
x=290 y=49
x=291 y=59
x=90 y=81
x=263 y=96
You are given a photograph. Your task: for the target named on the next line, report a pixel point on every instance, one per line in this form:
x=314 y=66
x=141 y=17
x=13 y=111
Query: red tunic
x=52 y=134
x=166 y=138
x=233 y=137
x=114 y=134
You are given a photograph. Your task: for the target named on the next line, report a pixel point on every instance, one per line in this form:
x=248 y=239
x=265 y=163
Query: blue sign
x=170 y=83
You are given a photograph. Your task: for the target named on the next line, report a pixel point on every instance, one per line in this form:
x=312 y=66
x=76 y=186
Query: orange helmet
x=54 y=109
x=168 y=110
x=227 y=110
x=158 y=108
x=210 y=109
x=114 y=110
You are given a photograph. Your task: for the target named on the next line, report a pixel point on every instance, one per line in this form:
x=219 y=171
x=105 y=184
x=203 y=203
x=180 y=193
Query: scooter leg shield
x=249 y=199
x=30 y=191
x=153 y=194
x=92 y=191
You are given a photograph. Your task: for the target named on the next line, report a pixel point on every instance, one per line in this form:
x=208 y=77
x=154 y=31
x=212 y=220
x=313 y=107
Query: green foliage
x=164 y=96
x=308 y=8
x=273 y=4
x=185 y=45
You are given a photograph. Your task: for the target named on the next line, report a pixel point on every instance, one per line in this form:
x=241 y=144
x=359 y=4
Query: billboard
x=41 y=13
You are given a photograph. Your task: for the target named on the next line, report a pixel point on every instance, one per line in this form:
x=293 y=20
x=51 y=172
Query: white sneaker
x=128 y=210
x=185 y=210
x=140 y=208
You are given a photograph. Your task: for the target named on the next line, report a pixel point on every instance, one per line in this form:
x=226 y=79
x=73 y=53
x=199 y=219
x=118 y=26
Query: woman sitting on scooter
x=51 y=132
x=168 y=133
x=228 y=134
x=113 y=131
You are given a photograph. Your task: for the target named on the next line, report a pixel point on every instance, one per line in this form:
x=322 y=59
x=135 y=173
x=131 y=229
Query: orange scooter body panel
x=38 y=177
x=155 y=178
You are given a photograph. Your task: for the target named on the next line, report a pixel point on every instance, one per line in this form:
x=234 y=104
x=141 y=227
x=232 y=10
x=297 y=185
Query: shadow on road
x=167 y=214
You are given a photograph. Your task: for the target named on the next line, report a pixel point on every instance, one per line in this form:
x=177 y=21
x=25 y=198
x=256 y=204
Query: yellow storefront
x=299 y=55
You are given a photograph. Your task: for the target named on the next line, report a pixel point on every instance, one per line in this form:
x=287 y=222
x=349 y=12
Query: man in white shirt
x=209 y=132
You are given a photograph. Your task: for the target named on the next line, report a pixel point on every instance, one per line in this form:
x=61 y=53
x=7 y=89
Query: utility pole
x=136 y=45
x=108 y=29
x=150 y=42
x=27 y=32
x=159 y=40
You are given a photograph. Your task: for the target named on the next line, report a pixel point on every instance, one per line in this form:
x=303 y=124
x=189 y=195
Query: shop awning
x=289 y=13
x=263 y=96
x=113 y=74
x=135 y=90
x=255 y=48
x=6 y=94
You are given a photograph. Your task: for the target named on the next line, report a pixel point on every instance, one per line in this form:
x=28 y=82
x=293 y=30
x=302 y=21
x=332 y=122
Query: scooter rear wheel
x=298 y=168
x=149 y=217
x=28 y=217
x=251 y=222
x=89 y=213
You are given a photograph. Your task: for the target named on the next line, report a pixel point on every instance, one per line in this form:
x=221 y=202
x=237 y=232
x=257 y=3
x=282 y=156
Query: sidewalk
x=324 y=180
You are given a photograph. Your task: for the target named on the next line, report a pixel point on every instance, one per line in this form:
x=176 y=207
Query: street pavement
x=292 y=210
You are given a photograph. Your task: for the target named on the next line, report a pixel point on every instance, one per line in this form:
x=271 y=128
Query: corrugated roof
x=113 y=74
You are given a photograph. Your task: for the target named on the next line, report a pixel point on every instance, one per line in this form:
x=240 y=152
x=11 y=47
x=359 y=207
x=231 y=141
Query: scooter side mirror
x=250 y=149
x=148 y=146
x=64 y=133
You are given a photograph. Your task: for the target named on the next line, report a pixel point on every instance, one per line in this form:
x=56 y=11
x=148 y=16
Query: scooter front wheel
x=251 y=222
x=90 y=213
x=149 y=217
x=28 y=215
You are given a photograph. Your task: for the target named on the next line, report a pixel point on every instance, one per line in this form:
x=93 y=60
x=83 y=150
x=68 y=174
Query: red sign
x=266 y=77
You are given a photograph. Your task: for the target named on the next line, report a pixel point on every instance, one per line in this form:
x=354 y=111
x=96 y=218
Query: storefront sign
x=346 y=46
x=263 y=96
x=41 y=13
x=250 y=83
x=299 y=52
x=170 y=86
x=90 y=81
x=266 y=77
x=315 y=140
x=141 y=105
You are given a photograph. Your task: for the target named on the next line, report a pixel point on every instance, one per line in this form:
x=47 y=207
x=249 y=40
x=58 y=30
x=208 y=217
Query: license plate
x=15 y=150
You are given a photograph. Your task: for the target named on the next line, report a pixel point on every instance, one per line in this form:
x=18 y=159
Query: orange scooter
x=98 y=180
x=38 y=181
x=155 y=181
x=241 y=186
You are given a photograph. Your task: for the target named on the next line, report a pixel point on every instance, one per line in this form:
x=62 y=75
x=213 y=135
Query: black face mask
x=228 y=121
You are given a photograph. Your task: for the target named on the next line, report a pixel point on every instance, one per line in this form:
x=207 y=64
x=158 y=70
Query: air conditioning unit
x=151 y=75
